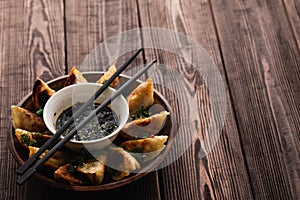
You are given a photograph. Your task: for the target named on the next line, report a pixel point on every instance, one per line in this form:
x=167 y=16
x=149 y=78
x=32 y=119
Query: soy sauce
x=103 y=124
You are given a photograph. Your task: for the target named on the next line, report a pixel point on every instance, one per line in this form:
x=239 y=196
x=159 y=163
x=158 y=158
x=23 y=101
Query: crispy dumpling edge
x=157 y=141
x=30 y=121
x=111 y=70
x=96 y=176
x=138 y=128
x=136 y=103
x=63 y=173
x=55 y=161
x=41 y=93
x=121 y=171
x=75 y=76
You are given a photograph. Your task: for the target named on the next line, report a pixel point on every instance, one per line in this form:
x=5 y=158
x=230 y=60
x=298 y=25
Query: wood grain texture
x=262 y=64
x=88 y=24
x=208 y=177
x=31 y=40
x=292 y=8
x=256 y=46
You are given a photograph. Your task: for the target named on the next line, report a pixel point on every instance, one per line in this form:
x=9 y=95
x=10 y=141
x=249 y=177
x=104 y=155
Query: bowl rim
x=114 y=133
x=106 y=186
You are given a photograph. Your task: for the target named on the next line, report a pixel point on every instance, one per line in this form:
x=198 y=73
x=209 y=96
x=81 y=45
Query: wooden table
x=256 y=47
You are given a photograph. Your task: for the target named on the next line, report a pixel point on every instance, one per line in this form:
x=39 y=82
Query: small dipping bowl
x=80 y=93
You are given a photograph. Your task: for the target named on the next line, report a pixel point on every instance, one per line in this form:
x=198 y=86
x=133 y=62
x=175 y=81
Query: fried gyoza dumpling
x=41 y=93
x=75 y=76
x=63 y=173
x=111 y=70
x=141 y=97
x=26 y=120
x=27 y=138
x=145 y=145
x=121 y=163
x=94 y=169
x=144 y=127
x=55 y=161
x=147 y=148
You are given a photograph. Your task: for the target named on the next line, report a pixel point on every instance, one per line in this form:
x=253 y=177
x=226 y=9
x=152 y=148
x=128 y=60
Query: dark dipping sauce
x=103 y=124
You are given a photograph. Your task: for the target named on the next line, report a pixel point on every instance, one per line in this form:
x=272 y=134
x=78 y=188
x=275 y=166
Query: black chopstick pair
x=27 y=171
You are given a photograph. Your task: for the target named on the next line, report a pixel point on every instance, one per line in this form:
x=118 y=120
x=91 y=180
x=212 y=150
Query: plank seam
x=230 y=97
x=291 y=26
x=157 y=175
x=274 y=120
x=141 y=34
x=65 y=37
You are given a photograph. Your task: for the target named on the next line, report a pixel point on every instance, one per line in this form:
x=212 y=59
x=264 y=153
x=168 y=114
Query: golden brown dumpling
x=63 y=173
x=121 y=163
x=55 y=161
x=145 y=145
x=94 y=169
x=27 y=138
x=144 y=127
x=41 y=93
x=147 y=148
x=26 y=120
x=75 y=76
x=111 y=70
x=141 y=97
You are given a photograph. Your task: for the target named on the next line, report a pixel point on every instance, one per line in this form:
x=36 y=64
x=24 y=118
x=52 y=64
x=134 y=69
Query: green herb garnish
x=32 y=143
x=26 y=140
x=79 y=160
x=72 y=169
x=141 y=113
x=40 y=111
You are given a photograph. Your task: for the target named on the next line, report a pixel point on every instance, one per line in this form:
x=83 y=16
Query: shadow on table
x=36 y=190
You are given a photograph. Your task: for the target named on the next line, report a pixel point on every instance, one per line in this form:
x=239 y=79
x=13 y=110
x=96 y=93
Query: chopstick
x=54 y=138
x=62 y=142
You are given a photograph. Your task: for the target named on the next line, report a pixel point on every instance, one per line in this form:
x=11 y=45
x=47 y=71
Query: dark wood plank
x=32 y=45
x=89 y=23
x=262 y=64
x=293 y=13
x=222 y=174
x=131 y=191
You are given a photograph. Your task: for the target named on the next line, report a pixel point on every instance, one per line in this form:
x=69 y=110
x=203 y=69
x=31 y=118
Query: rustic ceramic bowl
x=21 y=155
x=68 y=96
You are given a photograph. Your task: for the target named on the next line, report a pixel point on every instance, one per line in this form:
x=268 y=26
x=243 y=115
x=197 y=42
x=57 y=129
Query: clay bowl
x=21 y=155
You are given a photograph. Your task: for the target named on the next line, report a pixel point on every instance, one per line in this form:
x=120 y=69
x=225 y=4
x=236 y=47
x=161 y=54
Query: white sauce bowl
x=70 y=95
